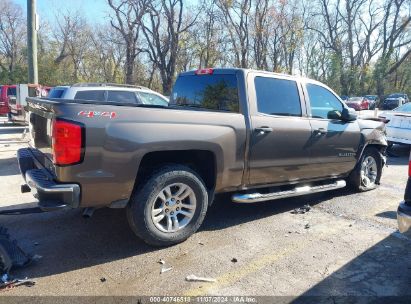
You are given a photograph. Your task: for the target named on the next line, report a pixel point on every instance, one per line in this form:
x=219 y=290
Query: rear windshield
x=355 y=99
x=212 y=92
x=11 y=92
x=56 y=93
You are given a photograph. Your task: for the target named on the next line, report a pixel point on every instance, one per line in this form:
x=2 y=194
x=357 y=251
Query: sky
x=94 y=10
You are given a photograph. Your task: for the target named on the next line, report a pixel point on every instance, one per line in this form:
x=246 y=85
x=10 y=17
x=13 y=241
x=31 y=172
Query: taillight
x=67 y=142
x=207 y=71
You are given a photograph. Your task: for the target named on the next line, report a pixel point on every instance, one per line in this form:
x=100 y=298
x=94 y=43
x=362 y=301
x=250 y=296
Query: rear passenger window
x=122 y=96
x=277 y=96
x=90 y=95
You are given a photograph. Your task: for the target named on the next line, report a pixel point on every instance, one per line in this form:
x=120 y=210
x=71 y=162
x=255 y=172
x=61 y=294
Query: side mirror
x=348 y=115
x=336 y=115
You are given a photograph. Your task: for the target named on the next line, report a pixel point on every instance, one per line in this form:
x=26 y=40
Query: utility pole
x=32 y=28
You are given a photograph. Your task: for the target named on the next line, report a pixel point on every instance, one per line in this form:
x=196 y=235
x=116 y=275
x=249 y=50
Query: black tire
x=355 y=179
x=139 y=210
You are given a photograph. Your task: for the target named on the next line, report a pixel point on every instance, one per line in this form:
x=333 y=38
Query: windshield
x=404 y=108
x=11 y=92
x=371 y=97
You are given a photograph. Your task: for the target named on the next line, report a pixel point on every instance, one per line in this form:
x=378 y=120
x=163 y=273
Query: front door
x=279 y=151
x=334 y=143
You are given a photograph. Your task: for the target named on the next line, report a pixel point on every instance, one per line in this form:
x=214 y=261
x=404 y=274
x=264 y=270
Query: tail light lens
x=67 y=142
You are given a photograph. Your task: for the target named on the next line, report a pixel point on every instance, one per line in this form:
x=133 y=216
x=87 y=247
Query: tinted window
x=277 y=96
x=90 y=95
x=122 y=96
x=152 y=99
x=56 y=93
x=322 y=101
x=214 y=92
x=11 y=92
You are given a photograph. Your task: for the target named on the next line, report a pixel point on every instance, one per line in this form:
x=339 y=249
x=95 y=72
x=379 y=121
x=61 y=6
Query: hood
x=371 y=123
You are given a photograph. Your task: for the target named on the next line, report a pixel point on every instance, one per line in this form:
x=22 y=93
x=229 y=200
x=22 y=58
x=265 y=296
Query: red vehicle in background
x=6 y=91
x=358 y=103
x=17 y=113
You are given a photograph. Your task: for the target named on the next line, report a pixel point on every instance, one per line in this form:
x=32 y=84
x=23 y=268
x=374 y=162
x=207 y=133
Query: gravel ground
x=352 y=246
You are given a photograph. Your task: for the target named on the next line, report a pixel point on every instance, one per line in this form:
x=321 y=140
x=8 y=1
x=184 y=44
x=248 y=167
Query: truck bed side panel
x=115 y=146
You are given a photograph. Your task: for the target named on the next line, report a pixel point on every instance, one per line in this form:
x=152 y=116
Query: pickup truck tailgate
x=40 y=121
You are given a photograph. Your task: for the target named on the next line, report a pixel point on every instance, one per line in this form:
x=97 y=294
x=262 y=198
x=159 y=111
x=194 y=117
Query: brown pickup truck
x=260 y=136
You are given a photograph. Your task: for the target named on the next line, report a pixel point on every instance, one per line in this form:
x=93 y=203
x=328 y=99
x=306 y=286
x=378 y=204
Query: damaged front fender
x=373 y=133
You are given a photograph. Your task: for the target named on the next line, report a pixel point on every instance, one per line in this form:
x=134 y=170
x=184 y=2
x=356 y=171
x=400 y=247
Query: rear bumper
x=404 y=218
x=44 y=187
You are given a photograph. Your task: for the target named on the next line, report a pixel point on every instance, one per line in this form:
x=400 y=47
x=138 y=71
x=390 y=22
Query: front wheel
x=367 y=174
x=169 y=207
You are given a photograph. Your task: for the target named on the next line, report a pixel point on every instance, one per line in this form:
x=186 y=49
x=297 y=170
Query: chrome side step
x=302 y=190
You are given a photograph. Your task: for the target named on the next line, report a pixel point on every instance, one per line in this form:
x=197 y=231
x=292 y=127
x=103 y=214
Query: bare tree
x=208 y=37
x=163 y=29
x=127 y=21
x=261 y=33
x=236 y=16
x=12 y=31
x=396 y=36
x=73 y=35
x=110 y=53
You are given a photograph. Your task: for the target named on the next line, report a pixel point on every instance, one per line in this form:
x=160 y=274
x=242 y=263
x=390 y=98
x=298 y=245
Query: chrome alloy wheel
x=174 y=207
x=369 y=171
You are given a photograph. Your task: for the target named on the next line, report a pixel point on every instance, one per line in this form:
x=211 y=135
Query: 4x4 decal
x=92 y=114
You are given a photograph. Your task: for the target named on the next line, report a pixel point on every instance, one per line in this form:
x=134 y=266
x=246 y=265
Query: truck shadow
x=68 y=242
x=381 y=274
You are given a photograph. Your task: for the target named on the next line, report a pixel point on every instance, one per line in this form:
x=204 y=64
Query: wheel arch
x=203 y=162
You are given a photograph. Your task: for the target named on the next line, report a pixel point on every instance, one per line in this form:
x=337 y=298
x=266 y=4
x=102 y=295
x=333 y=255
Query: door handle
x=320 y=131
x=264 y=130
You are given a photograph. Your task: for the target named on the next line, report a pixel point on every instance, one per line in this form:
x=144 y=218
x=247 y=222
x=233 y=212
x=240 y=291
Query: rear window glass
x=213 y=92
x=56 y=93
x=121 y=96
x=90 y=95
x=277 y=96
x=11 y=92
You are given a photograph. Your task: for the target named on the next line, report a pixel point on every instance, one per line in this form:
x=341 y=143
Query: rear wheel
x=169 y=207
x=367 y=174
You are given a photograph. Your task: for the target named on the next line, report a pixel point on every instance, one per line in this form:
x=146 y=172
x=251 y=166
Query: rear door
x=334 y=143
x=280 y=130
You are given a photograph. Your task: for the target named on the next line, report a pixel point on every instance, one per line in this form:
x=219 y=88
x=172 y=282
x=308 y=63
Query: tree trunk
x=129 y=66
